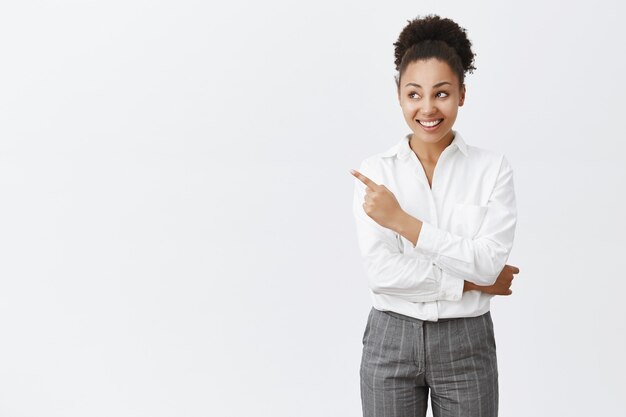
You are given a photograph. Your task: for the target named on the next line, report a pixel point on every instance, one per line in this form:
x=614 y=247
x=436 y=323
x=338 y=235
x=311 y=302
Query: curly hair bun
x=435 y=28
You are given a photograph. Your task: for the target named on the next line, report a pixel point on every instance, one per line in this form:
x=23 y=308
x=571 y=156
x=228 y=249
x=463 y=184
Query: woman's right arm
x=411 y=276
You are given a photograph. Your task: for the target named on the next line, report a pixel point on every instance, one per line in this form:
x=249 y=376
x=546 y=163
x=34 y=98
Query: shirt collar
x=403 y=150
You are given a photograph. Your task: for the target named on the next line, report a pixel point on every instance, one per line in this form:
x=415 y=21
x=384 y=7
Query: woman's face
x=430 y=96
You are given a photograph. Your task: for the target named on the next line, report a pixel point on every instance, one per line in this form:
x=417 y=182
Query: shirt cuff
x=428 y=239
x=451 y=287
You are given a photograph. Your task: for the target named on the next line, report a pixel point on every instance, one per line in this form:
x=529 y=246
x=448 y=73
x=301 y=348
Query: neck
x=430 y=152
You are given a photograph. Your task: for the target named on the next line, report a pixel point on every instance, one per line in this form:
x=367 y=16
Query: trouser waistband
x=416 y=320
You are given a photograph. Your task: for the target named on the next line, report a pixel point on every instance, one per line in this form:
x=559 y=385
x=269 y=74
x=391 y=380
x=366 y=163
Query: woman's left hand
x=380 y=203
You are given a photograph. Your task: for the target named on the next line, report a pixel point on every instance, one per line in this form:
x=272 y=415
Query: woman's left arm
x=480 y=259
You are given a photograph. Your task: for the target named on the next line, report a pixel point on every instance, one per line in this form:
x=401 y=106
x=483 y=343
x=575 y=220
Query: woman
x=435 y=220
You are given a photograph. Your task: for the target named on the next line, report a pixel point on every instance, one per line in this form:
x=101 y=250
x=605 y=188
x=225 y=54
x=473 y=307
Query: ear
x=462 y=96
x=397 y=80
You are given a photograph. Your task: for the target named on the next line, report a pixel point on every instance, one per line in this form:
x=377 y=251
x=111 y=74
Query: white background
x=176 y=235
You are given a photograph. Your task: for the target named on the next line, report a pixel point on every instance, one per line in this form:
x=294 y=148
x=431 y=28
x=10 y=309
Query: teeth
x=430 y=124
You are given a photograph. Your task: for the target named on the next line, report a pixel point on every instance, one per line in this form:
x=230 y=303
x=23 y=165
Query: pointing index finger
x=363 y=179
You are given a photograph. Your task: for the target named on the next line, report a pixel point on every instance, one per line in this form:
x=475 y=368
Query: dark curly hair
x=434 y=37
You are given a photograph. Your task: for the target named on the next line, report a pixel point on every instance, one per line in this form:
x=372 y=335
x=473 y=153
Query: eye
x=413 y=94
x=442 y=92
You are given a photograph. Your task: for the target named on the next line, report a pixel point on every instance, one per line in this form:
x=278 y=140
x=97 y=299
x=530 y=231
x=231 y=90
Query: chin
x=430 y=137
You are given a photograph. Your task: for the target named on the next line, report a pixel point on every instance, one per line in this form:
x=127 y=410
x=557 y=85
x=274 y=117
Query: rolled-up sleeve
x=479 y=259
x=412 y=276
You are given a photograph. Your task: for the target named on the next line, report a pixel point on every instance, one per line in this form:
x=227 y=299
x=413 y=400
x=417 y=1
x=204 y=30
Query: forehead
x=428 y=72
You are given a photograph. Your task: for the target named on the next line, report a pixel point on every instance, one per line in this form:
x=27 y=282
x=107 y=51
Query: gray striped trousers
x=404 y=358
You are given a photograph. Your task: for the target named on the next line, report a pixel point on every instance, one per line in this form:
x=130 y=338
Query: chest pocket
x=466 y=219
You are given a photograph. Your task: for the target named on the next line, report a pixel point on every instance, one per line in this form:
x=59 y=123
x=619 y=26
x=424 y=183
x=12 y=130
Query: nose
x=428 y=107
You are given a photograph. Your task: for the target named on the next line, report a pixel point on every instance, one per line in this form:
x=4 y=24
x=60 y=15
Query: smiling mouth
x=432 y=123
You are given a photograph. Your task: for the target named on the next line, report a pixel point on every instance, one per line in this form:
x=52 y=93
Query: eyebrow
x=434 y=86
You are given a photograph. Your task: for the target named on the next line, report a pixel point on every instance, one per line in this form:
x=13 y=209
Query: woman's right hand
x=502 y=286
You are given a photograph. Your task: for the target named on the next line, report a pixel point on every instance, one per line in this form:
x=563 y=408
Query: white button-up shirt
x=469 y=218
